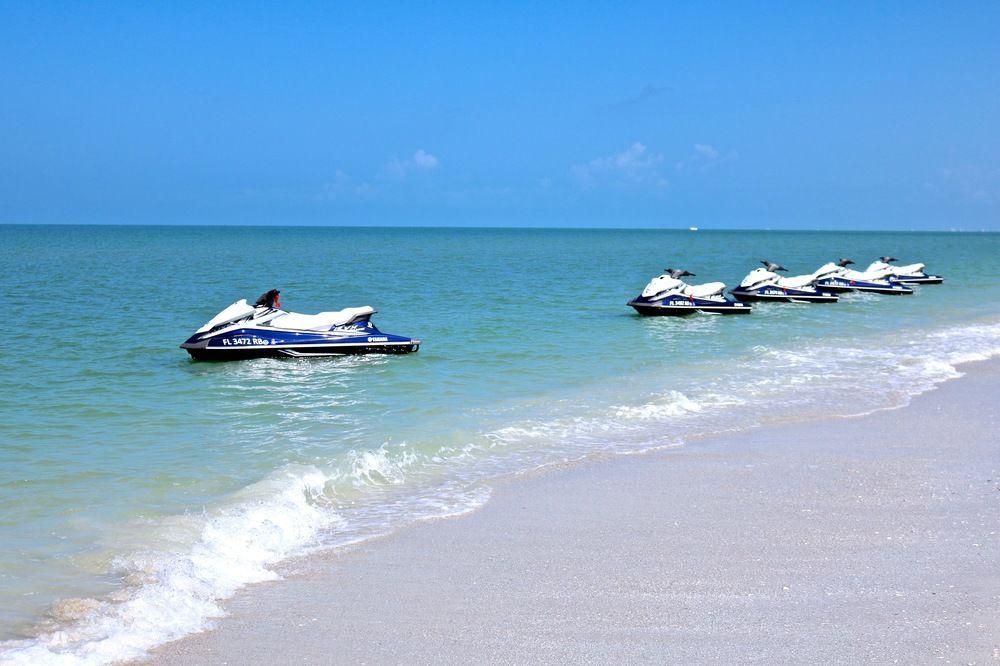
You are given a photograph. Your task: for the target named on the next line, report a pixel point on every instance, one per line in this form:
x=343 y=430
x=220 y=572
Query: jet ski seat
x=909 y=269
x=796 y=282
x=322 y=321
x=705 y=290
x=867 y=276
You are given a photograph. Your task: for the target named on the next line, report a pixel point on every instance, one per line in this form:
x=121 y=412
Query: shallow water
x=138 y=488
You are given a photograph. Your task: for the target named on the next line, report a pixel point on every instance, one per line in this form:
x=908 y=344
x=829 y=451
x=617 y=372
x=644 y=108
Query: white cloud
x=424 y=160
x=707 y=151
x=705 y=156
x=633 y=167
x=343 y=186
x=420 y=161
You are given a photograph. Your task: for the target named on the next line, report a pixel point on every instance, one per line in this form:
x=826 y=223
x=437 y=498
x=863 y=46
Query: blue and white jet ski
x=838 y=278
x=910 y=274
x=764 y=284
x=244 y=331
x=668 y=295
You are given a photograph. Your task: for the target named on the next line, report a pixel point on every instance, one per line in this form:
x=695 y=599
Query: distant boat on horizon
x=692 y=228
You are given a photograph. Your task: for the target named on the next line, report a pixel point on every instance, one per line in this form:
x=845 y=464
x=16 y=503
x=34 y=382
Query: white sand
x=874 y=539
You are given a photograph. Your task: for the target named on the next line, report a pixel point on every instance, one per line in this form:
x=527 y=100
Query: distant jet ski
x=244 y=331
x=910 y=274
x=837 y=277
x=764 y=284
x=669 y=295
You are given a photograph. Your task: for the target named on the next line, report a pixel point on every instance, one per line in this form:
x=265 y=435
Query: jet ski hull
x=683 y=306
x=783 y=295
x=840 y=285
x=254 y=342
x=918 y=279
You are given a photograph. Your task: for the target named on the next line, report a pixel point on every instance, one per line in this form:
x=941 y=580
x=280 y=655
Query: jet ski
x=243 y=331
x=910 y=274
x=837 y=278
x=764 y=284
x=667 y=294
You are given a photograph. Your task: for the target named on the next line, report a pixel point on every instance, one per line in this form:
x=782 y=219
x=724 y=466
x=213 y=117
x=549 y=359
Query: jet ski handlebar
x=843 y=263
x=888 y=259
x=677 y=273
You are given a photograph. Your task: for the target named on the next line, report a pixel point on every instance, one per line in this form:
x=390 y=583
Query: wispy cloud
x=392 y=176
x=421 y=160
x=707 y=151
x=705 y=156
x=635 y=167
x=342 y=186
x=424 y=160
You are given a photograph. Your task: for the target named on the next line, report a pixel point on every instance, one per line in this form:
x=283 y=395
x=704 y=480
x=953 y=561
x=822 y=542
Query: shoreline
x=794 y=542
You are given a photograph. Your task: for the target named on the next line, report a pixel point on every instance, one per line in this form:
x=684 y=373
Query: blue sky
x=784 y=115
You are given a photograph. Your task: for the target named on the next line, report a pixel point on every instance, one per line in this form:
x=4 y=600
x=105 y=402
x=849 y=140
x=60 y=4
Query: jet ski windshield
x=773 y=267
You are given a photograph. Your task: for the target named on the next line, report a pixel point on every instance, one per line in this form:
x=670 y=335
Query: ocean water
x=139 y=489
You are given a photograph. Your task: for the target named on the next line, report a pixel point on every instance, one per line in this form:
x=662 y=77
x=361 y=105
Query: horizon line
x=689 y=229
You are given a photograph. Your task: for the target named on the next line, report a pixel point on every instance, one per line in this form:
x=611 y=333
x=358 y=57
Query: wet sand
x=871 y=539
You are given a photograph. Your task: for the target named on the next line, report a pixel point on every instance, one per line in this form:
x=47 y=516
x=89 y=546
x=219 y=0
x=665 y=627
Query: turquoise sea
x=139 y=488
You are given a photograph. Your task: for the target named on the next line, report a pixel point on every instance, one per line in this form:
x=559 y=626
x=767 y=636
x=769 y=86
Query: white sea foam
x=173 y=594
x=176 y=592
x=673 y=403
x=176 y=589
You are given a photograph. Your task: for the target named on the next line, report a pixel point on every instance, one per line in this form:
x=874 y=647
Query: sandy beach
x=870 y=539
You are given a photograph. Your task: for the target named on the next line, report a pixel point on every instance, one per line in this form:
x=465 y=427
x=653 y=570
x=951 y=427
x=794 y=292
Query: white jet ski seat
x=322 y=321
x=867 y=276
x=796 y=282
x=910 y=269
x=705 y=290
